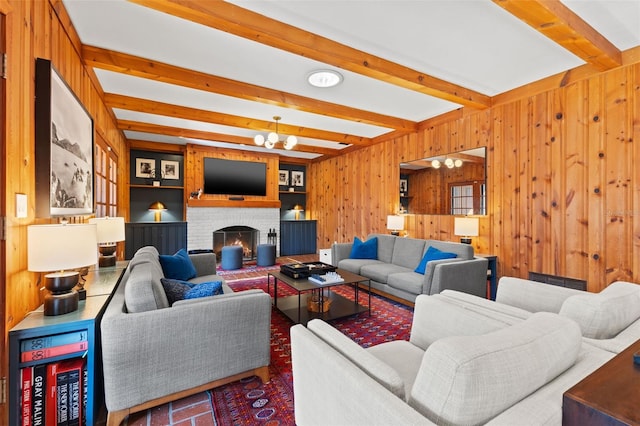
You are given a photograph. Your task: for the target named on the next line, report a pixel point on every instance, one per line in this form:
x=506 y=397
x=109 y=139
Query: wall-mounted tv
x=234 y=177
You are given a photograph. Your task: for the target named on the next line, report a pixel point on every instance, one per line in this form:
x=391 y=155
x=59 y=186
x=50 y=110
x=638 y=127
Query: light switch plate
x=21 y=205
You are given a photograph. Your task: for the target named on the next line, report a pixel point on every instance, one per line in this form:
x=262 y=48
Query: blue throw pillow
x=432 y=254
x=178 y=266
x=179 y=290
x=364 y=250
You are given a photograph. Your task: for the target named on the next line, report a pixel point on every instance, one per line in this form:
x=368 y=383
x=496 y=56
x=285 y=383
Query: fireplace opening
x=244 y=236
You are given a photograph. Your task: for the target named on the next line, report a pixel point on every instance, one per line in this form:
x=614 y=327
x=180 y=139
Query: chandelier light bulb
x=292 y=140
x=259 y=140
x=268 y=144
x=448 y=162
x=458 y=163
x=272 y=137
x=435 y=164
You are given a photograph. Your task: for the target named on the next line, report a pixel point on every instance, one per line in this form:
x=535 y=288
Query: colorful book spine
x=40 y=354
x=38 y=394
x=62 y=398
x=51 y=398
x=26 y=381
x=74 y=397
x=54 y=340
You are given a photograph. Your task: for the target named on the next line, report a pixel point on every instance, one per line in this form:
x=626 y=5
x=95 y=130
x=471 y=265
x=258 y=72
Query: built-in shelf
x=292 y=192
x=233 y=203
x=156 y=187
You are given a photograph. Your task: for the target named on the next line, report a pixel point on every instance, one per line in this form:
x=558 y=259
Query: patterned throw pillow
x=180 y=290
x=178 y=266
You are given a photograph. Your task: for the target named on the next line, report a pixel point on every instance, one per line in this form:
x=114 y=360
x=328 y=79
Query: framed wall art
x=145 y=167
x=283 y=177
x=170 y=169
x=297 y=178
x=64 y=147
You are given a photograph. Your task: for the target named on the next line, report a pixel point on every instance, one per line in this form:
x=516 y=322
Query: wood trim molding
x=234 y=203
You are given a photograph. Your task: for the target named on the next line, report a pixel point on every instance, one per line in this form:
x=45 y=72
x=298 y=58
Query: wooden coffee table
x=295 y=307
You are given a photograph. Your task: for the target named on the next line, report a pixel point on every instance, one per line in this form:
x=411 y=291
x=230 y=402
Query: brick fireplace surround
x=203 y=221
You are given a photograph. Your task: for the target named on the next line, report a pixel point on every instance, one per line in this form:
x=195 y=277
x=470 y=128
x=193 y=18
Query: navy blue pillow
x=432 y=254
x=364 y=250
x=179 y=290
x=178 y=266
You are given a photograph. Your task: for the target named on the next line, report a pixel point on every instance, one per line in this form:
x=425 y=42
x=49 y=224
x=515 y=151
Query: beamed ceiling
x=216 y=72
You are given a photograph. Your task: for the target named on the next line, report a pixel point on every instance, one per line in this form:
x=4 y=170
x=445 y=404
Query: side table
x=492 y=273
x=608 y=396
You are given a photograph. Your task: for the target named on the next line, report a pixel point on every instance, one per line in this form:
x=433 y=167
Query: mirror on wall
x=453 y=183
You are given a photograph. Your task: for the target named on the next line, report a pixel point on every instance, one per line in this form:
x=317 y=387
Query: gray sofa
x=463 y=365
x=153 y=353
x=393 y=271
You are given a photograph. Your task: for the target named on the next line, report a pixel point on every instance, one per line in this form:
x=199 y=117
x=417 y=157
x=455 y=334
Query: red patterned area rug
x=249 y=402
x=248 y=268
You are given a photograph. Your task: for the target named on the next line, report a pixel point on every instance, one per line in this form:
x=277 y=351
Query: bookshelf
x=78 y=325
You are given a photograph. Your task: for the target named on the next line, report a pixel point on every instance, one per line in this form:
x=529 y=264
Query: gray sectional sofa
x=469 y=360
x=154 y=353
x=392 y=272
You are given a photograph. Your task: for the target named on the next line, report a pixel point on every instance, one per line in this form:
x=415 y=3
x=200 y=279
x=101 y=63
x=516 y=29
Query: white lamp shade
x=466 y=226
x=110 y=229
x=59 y=247
x=395 y=222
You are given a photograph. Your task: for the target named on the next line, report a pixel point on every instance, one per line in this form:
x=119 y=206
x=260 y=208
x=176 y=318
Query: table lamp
x=466 y=227
x=157 y=207
x=110 y=231
x=61 y=247
x=298 y=208
x=395 y=223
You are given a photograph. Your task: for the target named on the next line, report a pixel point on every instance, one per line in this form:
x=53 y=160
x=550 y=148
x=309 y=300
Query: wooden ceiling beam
x=559 y=23
x=165 y=73
x=137 y=126
x=244 y=23
x=153 y=107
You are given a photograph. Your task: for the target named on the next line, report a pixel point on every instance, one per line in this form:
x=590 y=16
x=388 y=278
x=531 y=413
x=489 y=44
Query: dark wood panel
x=167 y=237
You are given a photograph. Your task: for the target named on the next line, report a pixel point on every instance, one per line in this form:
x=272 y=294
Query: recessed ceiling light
x=324 y=78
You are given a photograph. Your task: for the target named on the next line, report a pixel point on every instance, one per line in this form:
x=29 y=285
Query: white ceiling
x=475 y=44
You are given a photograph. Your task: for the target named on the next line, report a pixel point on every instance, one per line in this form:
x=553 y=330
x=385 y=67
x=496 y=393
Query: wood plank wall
x=563 y=181
x=36 y=30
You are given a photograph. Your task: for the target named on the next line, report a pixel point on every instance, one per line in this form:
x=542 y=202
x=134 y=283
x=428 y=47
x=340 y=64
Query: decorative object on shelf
x=324 y=78
x=395 y=224
x=297 y=178
x=297 y=209
x=283 y=177
x=195 y=195
x=45 y=254
x=404 y=187
x=145 y=167
x=158 y=208
x=156 y=176
x=170 y=169
x=274 y=137
x=110 y=231
x=64 y=147
x=466 y=227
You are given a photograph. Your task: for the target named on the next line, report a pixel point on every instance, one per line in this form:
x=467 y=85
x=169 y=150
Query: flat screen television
x=234 y=177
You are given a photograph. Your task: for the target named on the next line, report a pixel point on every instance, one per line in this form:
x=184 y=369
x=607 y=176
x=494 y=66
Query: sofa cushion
x=407 y=281
x=178 y=266
x=385 y=246
x=354 y=265
x=381 y=271
x=180 y=290
x=407 y=252
x=364 y=249
x=604 y=315
x=403 y=357
x=471 y=379
x=433 y=253
x=143 y=289
x=367 y=362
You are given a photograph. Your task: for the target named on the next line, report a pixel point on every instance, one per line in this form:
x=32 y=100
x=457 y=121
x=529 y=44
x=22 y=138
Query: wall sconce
x=61 y=247
x=110 y=231
x=395 y=224
x=298 y=208
x=158 y=208
x=466 y=227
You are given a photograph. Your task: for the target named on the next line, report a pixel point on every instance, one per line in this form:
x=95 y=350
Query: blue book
x=44 y=342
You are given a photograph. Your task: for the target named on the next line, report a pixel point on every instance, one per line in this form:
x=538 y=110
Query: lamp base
x=107 y=255
x=396 y=233
x=465 y=240
x=60 y=304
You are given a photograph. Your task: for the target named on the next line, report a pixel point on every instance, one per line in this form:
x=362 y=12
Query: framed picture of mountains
x=64 y=147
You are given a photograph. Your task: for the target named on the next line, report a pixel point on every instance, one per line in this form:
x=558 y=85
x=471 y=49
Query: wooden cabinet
x=167 y=237
x=297 y=237
x=28 y=340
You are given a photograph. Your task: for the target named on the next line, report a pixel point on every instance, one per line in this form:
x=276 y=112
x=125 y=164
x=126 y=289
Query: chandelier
x=449 y=162
x=273 y=137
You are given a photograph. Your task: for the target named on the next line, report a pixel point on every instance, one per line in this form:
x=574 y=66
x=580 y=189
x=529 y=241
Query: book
x=50 y=396
x=53 y=340
x=38 y=394
x=62 y=398
x=25 y=379
x=40 y=354
x=69 y=392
